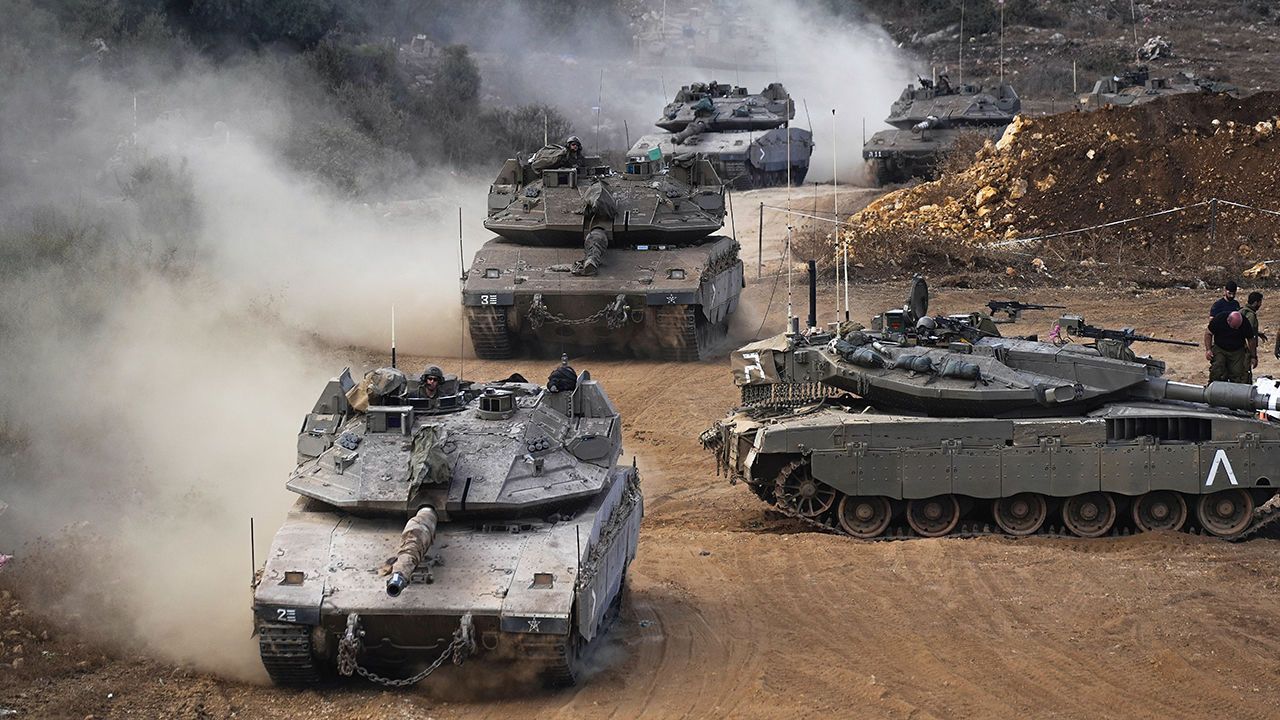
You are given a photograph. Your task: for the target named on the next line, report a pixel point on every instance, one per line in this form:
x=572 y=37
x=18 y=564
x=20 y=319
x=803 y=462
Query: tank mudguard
x=769 y=150
x=718 y=296
x=291 y=588
x=608 y=549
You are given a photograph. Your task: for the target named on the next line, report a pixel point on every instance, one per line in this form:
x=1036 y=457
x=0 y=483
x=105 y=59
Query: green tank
x=932 y=426
x=928 y=120
x=652 y=279
x=441 y=520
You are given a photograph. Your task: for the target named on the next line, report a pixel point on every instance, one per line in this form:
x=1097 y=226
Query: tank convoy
x=1137 y=86
x=442 y=520
x=653 y=279
x=743 y=135
x=929 y=119
x=926 y=426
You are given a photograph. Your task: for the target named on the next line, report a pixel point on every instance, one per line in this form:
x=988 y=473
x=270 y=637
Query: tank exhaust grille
x=1164 y=429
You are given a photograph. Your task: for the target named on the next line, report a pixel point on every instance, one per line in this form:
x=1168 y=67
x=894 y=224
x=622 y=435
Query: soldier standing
x=1230 y=346
x=1250 y=313
x=1226 y=303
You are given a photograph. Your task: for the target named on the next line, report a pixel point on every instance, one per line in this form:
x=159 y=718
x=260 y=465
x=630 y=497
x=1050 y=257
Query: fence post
x=1213 y=220
x=760 y=252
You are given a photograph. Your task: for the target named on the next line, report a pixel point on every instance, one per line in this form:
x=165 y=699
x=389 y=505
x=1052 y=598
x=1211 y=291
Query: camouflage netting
x=1074 y=170
x=427 y=461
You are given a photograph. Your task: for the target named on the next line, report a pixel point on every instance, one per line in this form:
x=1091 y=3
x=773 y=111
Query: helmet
x=432 y=371
x=926 y=324
x=573 y=140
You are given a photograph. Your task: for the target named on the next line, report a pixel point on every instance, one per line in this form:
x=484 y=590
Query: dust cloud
x=170 y=296
x=826 y=62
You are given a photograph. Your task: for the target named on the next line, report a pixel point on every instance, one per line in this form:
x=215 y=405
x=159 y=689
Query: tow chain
x=614 y=314
x=459 y=648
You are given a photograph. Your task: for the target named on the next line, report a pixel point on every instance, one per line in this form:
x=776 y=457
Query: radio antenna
x=462 y=278
x=393 y=336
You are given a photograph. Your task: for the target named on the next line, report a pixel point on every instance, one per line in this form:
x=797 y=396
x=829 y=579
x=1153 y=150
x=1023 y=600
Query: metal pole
x=961 y=81
x=813 y=293
x=462 y=278
x=760 y=242
x=1001 y=42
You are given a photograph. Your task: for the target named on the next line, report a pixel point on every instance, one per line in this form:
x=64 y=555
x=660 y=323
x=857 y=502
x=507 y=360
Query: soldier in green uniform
x=1250 y=313
x=1230 y=346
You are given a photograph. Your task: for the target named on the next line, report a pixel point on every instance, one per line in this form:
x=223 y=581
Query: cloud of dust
x=826 y=62
x=171 y=299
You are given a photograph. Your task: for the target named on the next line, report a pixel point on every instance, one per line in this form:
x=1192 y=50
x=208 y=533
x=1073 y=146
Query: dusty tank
x=950 y=430
x=928 y=120
x=664 y=287
x=744 y=135
x=441 y=520
x=1136 y=87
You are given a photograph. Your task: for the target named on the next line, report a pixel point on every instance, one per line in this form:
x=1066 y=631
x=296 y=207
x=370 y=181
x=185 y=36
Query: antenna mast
x=961 y=81
x=393 y=336
x=462 y=278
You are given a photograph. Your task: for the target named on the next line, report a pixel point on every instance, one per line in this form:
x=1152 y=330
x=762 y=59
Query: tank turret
x=940 y=427
x=1136 y=86
x=445 y=519
x=747 y=137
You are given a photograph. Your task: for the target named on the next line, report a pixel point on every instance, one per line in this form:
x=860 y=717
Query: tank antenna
x=792 y=324
x=253 y=553
x=813 y=294
x=835 y=206
x=1133 y=15
x=545 y=130
x=393 y=336
x=1135 y=30
x=462 y=278
x=961 y=67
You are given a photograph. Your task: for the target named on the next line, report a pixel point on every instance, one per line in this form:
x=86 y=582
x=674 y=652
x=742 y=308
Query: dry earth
x=735 y=612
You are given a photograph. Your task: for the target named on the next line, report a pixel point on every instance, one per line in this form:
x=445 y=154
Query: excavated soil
x=735 y=612
x=1076 y=170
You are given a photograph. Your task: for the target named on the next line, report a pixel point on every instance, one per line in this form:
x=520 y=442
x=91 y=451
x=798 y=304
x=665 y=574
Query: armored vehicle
x=1135 y=87
x=664 y=288
x=928 y=121
x=442 y=520
x=745 y=136
x=944 y=429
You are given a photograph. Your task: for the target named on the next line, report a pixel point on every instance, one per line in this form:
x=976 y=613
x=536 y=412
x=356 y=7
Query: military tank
x=927 y=429
x=654 y=280
x=928 y=120
x=744 y=135
x=1137 y=87
x=441 y=520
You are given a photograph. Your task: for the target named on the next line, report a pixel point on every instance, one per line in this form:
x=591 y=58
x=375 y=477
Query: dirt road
x=734 y=612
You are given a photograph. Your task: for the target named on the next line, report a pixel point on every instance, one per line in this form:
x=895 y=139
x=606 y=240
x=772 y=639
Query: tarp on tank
x=756 y=364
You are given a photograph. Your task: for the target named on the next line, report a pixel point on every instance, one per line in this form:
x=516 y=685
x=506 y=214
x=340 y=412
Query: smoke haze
x=174 y=293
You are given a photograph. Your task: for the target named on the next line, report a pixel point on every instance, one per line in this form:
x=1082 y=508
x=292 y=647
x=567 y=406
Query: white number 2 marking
x=286 y=615
x=753 y=365
x=1220 y=460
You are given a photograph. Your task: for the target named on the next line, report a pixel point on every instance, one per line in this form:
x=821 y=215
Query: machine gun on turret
x=1075 y=325
x=1014 y=309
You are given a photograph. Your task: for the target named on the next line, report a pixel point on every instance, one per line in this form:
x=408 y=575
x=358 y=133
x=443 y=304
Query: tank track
x=566 y=669
x=286 y=653
x=1266 y=522
x=489 y=333
x=684 y=336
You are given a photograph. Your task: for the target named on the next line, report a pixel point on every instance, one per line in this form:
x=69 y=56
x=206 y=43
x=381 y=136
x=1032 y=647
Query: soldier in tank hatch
x=1231 y=347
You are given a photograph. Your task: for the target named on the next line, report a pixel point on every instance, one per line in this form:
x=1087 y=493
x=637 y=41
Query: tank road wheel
x=807 y=496
x=287 y=654
x=1021 y=514
x=1089 y=515
x=935 y=516
x=1225 y=513
x=1159 y=510
x=864 y=517
x=489 y=333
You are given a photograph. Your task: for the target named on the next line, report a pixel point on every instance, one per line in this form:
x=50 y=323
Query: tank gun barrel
x=1235 y=396
x=415 y=540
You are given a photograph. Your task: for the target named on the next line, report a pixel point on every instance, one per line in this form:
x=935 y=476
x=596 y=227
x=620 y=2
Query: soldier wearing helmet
x=430 y=381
